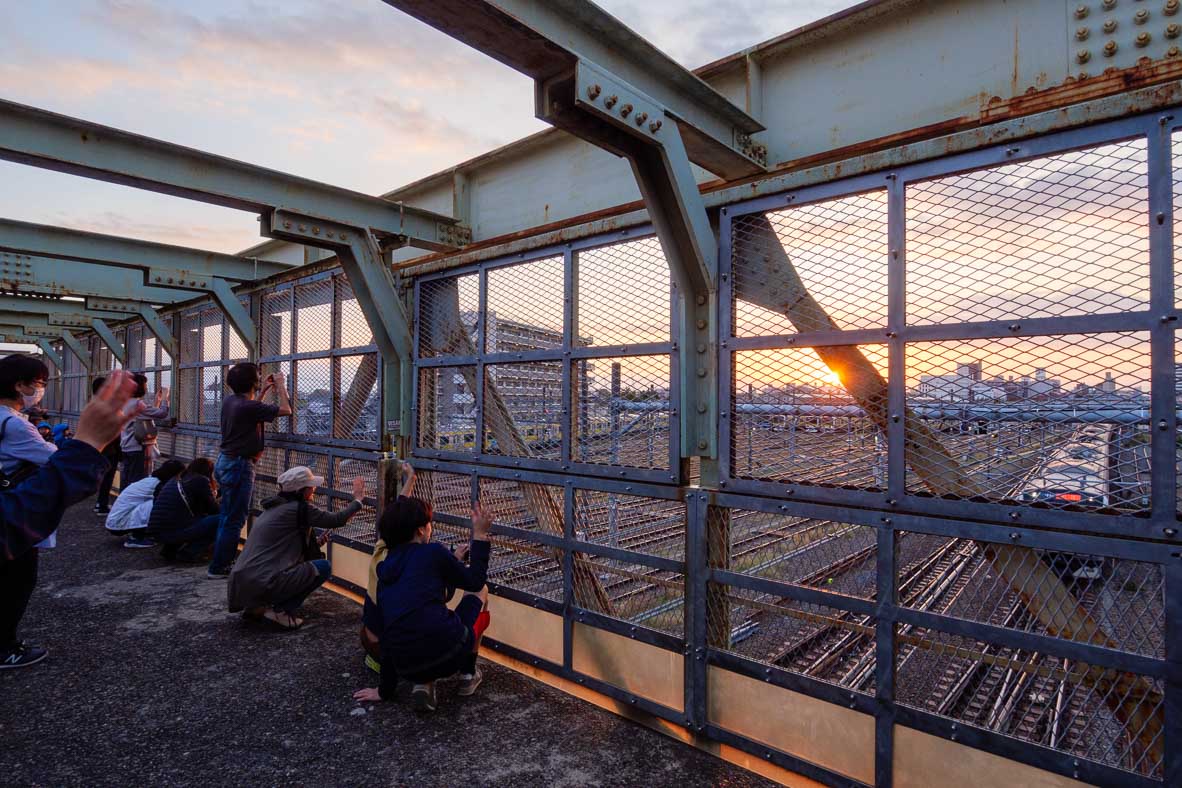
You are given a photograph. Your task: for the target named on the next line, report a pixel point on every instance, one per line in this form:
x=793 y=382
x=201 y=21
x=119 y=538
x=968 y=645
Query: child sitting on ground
x=421 y=639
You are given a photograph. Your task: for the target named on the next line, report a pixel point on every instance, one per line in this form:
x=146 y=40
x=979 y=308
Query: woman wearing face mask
x=22 y=451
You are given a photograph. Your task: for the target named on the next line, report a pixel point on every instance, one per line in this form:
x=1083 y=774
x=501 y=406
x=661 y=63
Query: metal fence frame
x=1151 y=539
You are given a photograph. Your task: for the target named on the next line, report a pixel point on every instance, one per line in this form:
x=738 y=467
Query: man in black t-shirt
x=243 y=417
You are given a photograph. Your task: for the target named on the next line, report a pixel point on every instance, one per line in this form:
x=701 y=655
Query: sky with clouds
x=351 y=92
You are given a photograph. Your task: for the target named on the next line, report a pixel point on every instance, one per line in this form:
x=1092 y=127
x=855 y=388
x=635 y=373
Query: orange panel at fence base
x=350 y=564
x=529 y=629
x=644 y=670
x=924 y=761
x=813 y=730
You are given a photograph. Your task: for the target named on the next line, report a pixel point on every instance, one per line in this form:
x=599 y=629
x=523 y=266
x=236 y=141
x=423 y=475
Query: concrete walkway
x=151 y=682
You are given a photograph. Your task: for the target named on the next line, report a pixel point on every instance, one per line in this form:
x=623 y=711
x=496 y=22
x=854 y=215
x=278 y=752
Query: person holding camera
x=422 y=640
x=138 y=444
x=243 y=416
x=282 y=564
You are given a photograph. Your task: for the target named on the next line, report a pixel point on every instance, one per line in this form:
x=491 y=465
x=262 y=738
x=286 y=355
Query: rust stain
x=1014 y=73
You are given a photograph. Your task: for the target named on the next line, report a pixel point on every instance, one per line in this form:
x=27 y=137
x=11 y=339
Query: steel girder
x=602 y=82
x=15 y=328
x=60 y=276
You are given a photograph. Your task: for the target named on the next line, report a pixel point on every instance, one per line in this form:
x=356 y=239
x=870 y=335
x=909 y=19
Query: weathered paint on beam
x=110 y=340
x=548 y=41
x=633 y=214
x=46 y=348
x=59 y=276
x=33 y=136
x=54 y=242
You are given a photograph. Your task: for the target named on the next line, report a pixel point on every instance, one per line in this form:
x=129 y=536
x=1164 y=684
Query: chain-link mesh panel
x=523 y=409
x=186 y=447
x=818 y=641
x=794 y=421
x=1055 y=421
x=1100 y=714
x=448 y=493
x=166 y=443
x=236 y=349
x=631 y=522
x=448 y=311
x=282 y=424
x=804 y=551
x=836 y=250
x=164 y=382
x=149 y=351
x=357 y=404
x=623 y=294
x=638 y=594
x=622 y=414
x=276 y=324
x=211 y=394
x=524 y=505
x=525 y=566
x=317 y=461
x=447 y=409
x=313 y=391
x=212 y=331
x=525 y=305
x=313 y=324
x=1076 y=596
x=207 y=447
x=352 y=327
x=187 y=395
x=1065 y=234
x=190 y=338
x=135 y=348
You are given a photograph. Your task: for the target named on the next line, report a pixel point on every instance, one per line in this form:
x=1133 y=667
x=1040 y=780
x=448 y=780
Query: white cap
x=298 y=478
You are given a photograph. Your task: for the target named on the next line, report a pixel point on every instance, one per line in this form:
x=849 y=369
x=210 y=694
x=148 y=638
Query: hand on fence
x=103 y=418
x=358 y=488
x=463 y=551
x=481 y=523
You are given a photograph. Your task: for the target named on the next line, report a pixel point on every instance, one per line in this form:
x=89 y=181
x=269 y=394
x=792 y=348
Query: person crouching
x=421 y=639
x=281 y=564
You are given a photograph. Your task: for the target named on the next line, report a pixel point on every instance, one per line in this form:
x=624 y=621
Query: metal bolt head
x=701 y=409
x=1109 y=48
x=1082 y=33
x=287 y=225
x=701 y=347
x=655 y=126
x=1170 y=8
x=1108 y=5
x=700 y=300
x=1109 y=25
x=640 y=118
x=1141 y=17
x=1143 y=39
x=610 y=101
x=1081 y=12
x=625 y=110
x=1172 y=30
x=1173 y=51
x=701 y=324
x=302 y=228
x=1171 y=532
x=593 y=92
x=701 y=372
x=703 y=445
x=1083 y=56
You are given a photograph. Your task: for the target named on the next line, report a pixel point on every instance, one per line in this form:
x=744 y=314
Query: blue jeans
x=235 y=476
x=324 y=571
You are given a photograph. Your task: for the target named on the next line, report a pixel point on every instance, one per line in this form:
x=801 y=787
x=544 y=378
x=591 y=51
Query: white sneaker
x=422 y=697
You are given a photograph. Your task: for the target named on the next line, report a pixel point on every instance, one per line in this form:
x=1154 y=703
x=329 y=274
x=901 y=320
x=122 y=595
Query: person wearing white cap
x=281 y=564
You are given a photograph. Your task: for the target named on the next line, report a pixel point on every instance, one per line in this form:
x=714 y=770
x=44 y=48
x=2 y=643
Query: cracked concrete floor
x=151 y=682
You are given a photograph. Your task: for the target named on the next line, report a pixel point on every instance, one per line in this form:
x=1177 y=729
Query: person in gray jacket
x=273 y=575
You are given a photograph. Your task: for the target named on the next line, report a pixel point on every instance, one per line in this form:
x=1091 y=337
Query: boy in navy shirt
x=421 y=639
x=243 y=417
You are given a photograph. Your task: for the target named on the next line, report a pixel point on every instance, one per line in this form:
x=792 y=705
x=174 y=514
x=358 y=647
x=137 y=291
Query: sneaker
x=22 y=655
x=139 y=542
x=373 y=664
x=102 y=511
x=469 y=682
x=422 y=697
x=217 y=574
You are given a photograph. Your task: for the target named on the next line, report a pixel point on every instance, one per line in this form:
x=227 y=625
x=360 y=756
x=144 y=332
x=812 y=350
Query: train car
x=1077 y=474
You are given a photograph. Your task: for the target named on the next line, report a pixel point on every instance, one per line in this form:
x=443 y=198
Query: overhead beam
x=59 y=242
x=33 y=136
x=30 y=331
x=546 y=41
x=60 y=276
x=59 y=307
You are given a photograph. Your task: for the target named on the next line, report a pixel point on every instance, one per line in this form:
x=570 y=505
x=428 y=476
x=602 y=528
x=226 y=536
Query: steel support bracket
x=374 y=287
x=110 y=340
x=66 y=320
x=223 y=294
x=38 y=275
x=48 y=350
x=75 y=347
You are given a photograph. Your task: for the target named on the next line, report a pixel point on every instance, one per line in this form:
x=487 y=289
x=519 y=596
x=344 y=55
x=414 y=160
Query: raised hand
x=481 y=523
x=103 y=417
x=358 y=488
